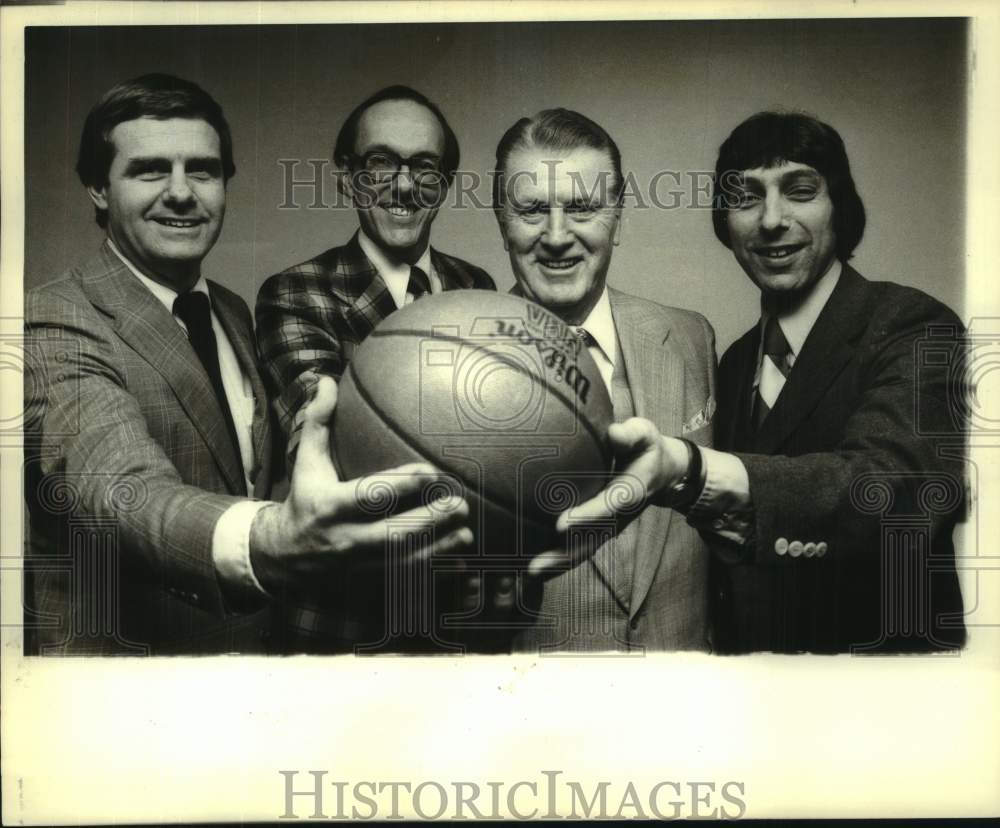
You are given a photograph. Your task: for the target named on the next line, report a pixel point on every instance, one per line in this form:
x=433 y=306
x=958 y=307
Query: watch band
x=689 y=488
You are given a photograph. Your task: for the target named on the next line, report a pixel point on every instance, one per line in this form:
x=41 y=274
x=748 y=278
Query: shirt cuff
x=724 y=507
x=231 y=553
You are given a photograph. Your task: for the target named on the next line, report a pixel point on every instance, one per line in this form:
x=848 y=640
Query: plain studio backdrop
x=668 y=93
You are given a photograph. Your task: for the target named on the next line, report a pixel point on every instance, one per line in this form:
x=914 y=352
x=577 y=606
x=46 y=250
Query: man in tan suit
x=557 y=197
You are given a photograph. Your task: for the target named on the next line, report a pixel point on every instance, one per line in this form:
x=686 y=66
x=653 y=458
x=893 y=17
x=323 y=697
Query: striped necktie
x=776 y=365
x=418 y=285
x=584 y=336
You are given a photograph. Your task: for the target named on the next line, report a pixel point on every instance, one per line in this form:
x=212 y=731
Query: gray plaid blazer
x=311 y=318
x=128 y=467
x=669 y=358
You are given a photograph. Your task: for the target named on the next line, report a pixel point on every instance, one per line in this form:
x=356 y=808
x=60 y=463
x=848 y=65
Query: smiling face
x=781 y=231
x=560 y=224
x=394 y=210
x=165 y=196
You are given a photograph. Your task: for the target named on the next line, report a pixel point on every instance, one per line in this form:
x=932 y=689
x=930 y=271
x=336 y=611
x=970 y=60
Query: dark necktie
x=419 y=285
x=194 y=310
x=778 y=351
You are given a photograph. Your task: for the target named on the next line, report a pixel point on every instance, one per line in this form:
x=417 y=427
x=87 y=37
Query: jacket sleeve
x=890 y=460
x=297 y=334
x=90 y=457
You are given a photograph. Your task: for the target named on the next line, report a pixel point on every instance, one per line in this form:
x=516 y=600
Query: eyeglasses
x=385 y=163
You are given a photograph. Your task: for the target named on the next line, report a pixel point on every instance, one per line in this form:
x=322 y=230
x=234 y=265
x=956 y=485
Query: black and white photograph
x=443 y=411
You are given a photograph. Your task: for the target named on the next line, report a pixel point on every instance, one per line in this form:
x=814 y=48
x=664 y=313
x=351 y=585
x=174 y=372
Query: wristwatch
x=688 y=489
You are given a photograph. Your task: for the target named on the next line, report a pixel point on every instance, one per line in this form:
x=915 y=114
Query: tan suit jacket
x=128 y=468
x=669 y=358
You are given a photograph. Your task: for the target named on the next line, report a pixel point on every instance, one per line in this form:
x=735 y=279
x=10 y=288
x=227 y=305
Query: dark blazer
x=669 y=359
x=863 y=451
x=311 y=318
x=128 y=468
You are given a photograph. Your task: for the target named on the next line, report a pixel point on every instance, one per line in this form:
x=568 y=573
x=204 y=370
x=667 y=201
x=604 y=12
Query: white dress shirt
x=231 y=537
x=725 y=506
x=397 y=275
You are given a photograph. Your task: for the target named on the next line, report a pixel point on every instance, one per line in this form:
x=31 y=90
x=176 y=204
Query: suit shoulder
x=688 y=323
x=318 y=267
x=475 y=276
x=62 y=298
x=905 y=305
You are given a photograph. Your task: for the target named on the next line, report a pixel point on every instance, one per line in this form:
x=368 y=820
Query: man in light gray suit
x=557 y=197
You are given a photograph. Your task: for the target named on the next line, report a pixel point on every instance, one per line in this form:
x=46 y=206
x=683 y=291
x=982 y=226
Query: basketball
x=495 y=391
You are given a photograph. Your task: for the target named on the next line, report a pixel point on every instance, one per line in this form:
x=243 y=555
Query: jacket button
x=809 y=550
x=781 y=546
x=821 y=549
x=795 y=548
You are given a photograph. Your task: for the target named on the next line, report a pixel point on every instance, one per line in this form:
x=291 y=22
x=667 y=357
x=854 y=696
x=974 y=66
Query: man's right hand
x=647 y=465
x=327 y=527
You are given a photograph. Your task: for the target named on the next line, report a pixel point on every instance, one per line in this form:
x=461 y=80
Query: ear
x=99 y=195
x=617 y=237
x=344 y=183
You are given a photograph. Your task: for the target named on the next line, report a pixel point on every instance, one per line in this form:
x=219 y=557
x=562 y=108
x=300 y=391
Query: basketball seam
x=598 y=438
x=394 y=427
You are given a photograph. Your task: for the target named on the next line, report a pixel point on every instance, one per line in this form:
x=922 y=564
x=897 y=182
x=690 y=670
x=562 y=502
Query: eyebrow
x=791 y=175
x=140 y=164
x=391 y=151
x=528 y=203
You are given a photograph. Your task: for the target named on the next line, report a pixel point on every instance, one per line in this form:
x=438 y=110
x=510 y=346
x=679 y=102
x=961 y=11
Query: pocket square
x=701 y=419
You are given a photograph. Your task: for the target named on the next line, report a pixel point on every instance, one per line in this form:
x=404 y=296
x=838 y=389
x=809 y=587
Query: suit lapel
x=734 y=423
x=827 y=349
x=656 y=380
x=240 y=337
x=452 y=277
x=371 y=301
x=147 y=327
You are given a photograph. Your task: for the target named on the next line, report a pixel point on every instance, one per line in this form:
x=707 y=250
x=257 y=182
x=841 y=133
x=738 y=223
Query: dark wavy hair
x=149 y=96
x=768 y=139
x=343 y=149
x=555 y=129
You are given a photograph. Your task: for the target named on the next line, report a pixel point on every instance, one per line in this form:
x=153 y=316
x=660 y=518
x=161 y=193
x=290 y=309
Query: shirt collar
x=797 y=324
x=396 y=276
x=600 y=324
x=164 y=294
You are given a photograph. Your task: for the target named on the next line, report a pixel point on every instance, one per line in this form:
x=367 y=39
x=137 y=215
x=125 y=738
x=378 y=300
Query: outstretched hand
x=646 y=463
x=327 y=527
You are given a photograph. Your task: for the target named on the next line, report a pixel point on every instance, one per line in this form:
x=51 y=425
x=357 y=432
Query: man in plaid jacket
x=311 y=317
x=397 y=156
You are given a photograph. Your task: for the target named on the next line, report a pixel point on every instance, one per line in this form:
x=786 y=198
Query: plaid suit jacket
x=128 y=469
x=311 y=318
x=669 y=359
